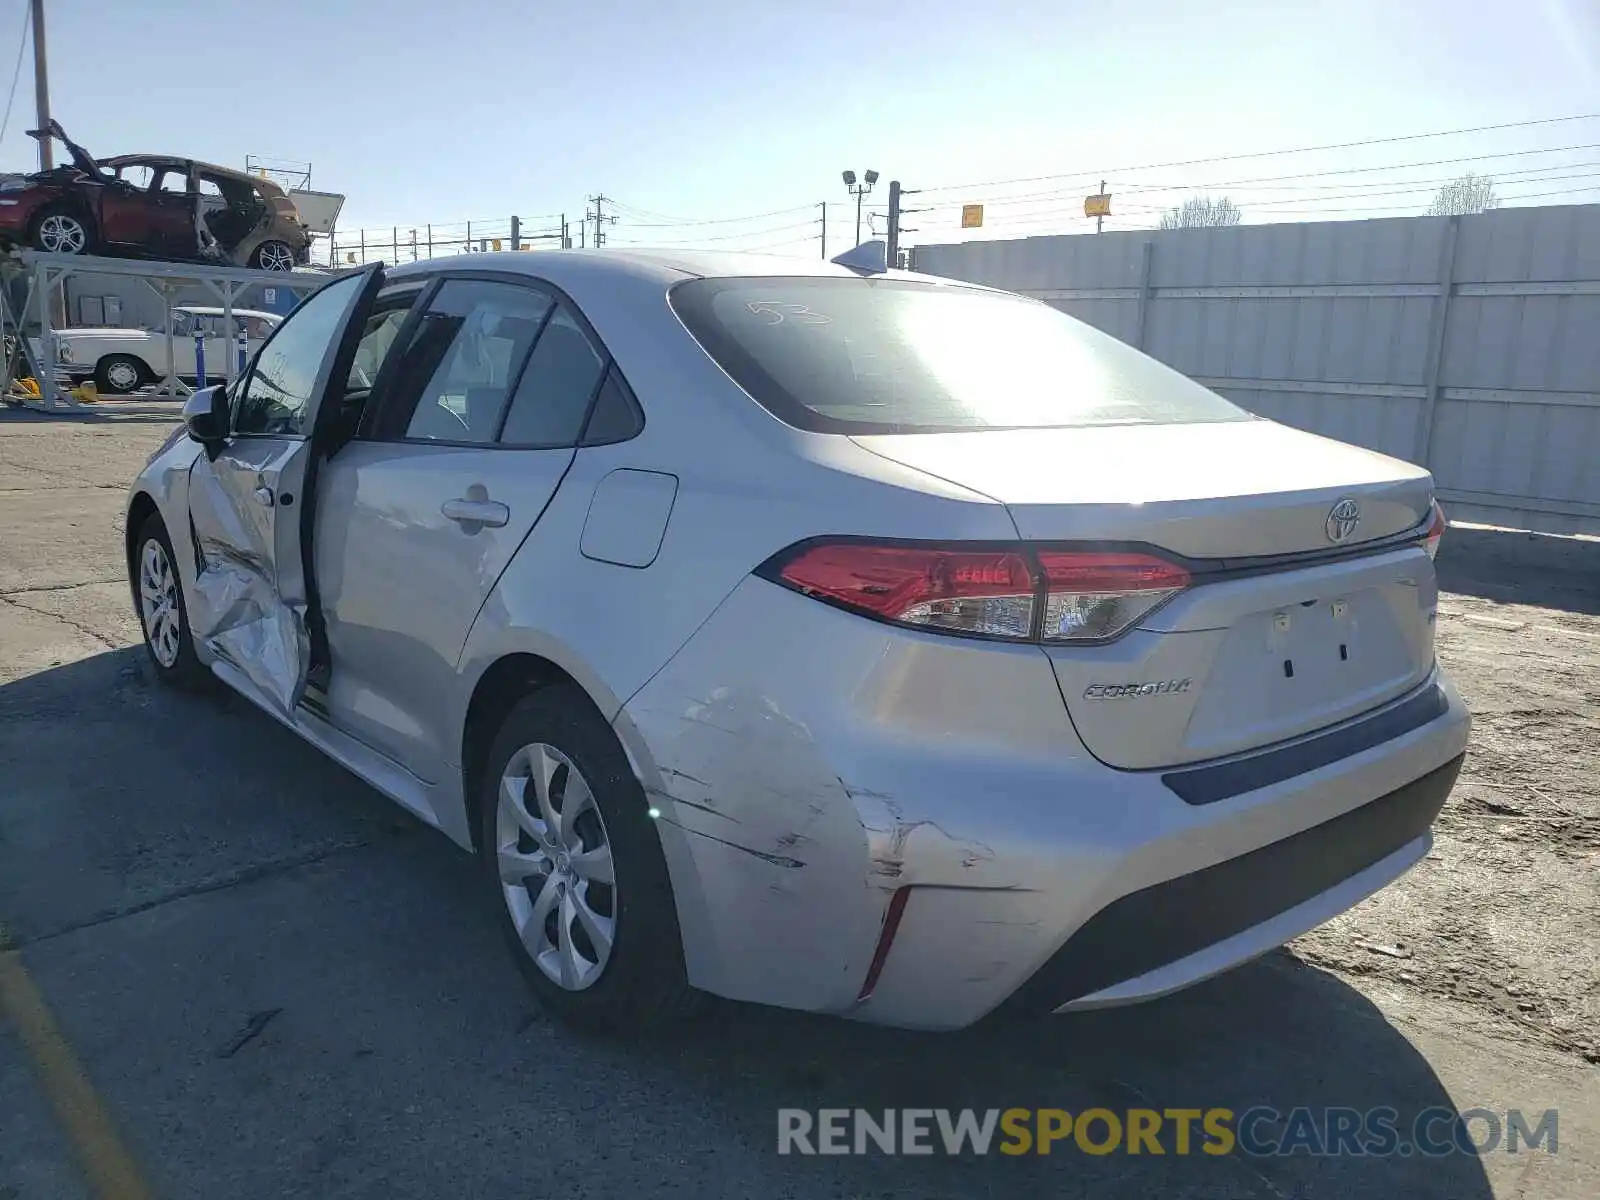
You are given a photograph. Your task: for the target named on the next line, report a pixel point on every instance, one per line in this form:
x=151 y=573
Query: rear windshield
x=899 y=356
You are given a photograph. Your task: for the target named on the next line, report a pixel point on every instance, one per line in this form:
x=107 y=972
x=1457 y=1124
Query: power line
x=726 y=237
x=674 y=222
x=1417 y=187
x=1195 y=162
x=1419 y=190
x=1054 y=216
x=1126 y=187
x=16 y=71
x=1148 y=186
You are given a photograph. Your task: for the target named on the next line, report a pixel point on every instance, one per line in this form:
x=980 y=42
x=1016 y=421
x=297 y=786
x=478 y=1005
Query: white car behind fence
x=124 y=360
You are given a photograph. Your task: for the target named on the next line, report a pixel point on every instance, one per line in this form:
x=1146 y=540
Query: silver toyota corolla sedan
x=815 y=635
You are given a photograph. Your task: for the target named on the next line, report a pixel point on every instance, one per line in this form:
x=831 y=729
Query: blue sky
x=429 y=112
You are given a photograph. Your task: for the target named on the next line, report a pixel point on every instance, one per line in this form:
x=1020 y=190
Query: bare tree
x=1469 y=194
x=1201 y=212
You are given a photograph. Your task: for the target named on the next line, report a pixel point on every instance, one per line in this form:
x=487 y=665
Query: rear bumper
x=1174 y=933
x=803 y=779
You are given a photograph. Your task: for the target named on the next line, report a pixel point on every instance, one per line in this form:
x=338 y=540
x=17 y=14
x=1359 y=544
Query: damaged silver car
x=813 y=634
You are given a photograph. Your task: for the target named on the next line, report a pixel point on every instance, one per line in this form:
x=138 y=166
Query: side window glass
x=181 y=326
x=373 y=348
x=276 y=395
x=556 y=388
x=616 y=416
x=467 y=352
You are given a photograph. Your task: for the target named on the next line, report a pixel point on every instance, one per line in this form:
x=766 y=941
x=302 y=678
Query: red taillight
x=1436 y=528
x=963 y=591
x=1093 y=596
x=1004 y=592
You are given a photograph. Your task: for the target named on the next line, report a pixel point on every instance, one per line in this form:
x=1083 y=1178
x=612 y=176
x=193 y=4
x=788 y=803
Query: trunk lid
x=1219 y=490
x=1275 y=639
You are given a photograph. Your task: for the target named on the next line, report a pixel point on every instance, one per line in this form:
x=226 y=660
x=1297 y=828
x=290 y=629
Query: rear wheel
x=576 y=869
x=118 y=374
x=273 y=256
x=158 y=593
x=60 y=231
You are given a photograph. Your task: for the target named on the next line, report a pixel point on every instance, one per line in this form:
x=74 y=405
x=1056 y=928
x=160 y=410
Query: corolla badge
x=1343 y=518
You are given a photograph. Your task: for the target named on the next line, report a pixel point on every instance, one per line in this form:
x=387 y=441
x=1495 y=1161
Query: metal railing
x=407 y=243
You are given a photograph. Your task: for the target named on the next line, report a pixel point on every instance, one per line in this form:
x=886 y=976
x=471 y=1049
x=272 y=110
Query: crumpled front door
x=249 y=605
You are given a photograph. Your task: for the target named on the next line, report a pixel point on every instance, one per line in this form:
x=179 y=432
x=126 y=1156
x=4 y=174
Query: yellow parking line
x=105 y=1160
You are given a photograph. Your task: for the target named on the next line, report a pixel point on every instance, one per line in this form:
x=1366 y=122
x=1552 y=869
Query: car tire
x=640 y=980
x=159 y=603
x=273 y=255
x=119 y=374
x=61 y=230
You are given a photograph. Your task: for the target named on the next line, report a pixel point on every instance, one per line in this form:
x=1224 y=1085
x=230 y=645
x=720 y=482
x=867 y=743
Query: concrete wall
x=1468 y=344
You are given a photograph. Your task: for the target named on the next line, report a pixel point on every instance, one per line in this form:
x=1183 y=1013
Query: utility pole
x=897 y=195
x=566 y=234
x=1100 y=220
x=599 y=218
x=516 y=233
x=41 y=87
x=823 y=205
x=893 y=234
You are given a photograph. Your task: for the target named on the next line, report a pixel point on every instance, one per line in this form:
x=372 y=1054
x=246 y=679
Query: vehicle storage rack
x=47 y=272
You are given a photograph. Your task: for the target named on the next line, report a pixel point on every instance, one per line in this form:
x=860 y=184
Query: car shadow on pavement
x=1511 y=566
x=182 y=862
x=1274 y=1034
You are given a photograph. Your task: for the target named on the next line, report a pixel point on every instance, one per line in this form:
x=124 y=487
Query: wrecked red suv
x=152 y=206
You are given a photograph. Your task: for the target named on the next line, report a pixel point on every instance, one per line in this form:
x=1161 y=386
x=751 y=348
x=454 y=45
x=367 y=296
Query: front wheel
x=273 y=256
x=163 y=615
x=575 y=865
x=58 y=231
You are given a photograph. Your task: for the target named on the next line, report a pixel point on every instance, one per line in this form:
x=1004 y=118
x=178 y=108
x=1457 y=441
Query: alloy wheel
x=61 y=234
x=275 y=256
x=554 y=858
x=158 y=602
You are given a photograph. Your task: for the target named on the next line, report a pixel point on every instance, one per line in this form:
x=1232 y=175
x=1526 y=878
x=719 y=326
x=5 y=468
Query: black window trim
x=386 y=434
x=377 y=410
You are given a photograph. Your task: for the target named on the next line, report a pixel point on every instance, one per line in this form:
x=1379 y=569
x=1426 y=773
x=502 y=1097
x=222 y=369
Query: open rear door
x=252 y=499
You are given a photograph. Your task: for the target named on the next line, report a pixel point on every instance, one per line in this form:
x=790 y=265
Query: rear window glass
x=900 y=356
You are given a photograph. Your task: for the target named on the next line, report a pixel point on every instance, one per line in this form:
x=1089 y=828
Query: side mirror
x=205 y=414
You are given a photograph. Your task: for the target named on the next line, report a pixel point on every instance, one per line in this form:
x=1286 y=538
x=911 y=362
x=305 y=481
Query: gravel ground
x=1504 y=914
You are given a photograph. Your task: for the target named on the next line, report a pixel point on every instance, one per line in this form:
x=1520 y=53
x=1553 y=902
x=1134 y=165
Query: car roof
x=212 y=311
x=174 y=160
x=581 y=269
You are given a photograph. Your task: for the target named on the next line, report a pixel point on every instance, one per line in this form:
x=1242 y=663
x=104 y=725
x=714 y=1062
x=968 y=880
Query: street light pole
x=859 y=191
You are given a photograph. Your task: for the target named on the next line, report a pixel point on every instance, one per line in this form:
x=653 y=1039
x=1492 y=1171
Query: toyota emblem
x=1343 y=518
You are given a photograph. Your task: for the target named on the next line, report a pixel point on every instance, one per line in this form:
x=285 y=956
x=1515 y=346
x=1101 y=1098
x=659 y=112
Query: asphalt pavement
x=277 y=983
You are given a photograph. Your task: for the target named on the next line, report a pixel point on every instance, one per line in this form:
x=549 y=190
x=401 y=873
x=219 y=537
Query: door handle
x=479 y=513
x=263 y=496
